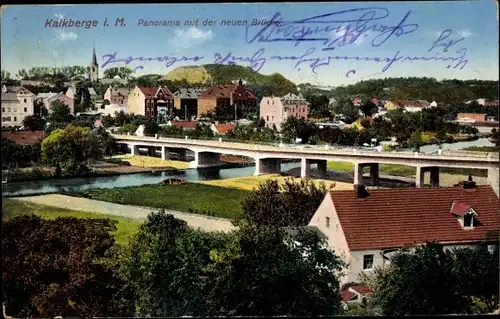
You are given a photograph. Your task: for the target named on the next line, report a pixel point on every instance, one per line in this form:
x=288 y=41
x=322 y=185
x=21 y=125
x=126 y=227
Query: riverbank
x=193 y=198
x=125 y=227
x=251 y=182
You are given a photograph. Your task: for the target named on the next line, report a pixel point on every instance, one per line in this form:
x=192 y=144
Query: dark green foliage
x=34 y=123
x=433 y=281
x=51 y=268
x=16 y=155
x=59 y=113
x=495 y=134
x=298 y=128
x=289 y=204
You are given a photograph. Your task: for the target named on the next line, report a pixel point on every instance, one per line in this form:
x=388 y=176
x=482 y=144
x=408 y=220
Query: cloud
x=61 y=35
x=466 y=33
x=190 y=37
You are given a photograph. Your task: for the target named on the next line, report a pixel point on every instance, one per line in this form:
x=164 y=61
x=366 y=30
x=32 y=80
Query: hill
x=214 y=73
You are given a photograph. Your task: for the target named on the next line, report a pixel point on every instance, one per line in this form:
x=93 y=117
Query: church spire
x=94 y=57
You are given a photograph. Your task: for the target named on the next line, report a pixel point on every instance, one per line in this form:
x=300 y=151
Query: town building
x=222 y=129
x=17 y=103
x=186 y=102
x=366 y=228
x=356 y=293
x=185 y=125
x=152 y=102
x=71 y=92
x=118 y=96
x=48 y=98
x=224 y=95
x=471 y=117
x=276 y=110
x=25 y=137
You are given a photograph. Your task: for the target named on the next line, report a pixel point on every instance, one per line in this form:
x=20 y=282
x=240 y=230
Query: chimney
x=360 y=191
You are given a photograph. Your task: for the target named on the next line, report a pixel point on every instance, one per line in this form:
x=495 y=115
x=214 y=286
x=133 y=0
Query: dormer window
x=465 y=214
x=469 y=219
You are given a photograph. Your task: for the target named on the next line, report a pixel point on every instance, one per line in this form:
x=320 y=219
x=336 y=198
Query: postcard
x=250 y=159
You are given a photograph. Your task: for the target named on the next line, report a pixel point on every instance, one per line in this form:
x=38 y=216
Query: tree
x=368 y=108
x=164 y=263
x=71 y=149
x=34 y=123
x=346 y=110
x=263 y=271
x=121 y=118
x=122 y=72
x=60 y=113
x=415 y=140
x=52 y=268
x=298 y=128
x=5 y=75
x=495 y=134
x=151 y=127
x=423 y=282
x=288 y=204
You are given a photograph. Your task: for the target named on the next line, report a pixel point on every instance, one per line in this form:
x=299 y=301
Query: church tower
x=94 y=68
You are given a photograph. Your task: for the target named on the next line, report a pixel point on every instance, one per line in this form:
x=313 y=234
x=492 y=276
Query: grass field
x=251 y=182
x=191 y=197
x=406 y=171
x=149 y=161
x=487 y=149
x=12 y=208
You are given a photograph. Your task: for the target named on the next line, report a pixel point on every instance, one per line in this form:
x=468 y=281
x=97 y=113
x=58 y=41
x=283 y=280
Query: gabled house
x=276 y=110
x=48 y=98
x=357 y=293
x=152 y=102
x=186 y=102
x=224 y=95
x=222 y=129
x=366 y=227
x=117 y=96
x=17 y=103
x=71 y=92
x=185 y=125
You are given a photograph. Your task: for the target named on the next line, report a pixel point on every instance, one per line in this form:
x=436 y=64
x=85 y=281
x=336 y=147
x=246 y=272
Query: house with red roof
x=222 y=129
x=153 y=102
x=186 y=125
x=357 y=293
x=226 y=94
x=24 y=137
x=366 y=228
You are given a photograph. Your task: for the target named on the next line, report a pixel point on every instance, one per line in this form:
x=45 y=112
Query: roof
x=9 y=97
x=349 y=292
x=225 y=90
x=72 y=89
x=189 y=93
x=407 y=103
x=120 y=91
x=224 y=128
x=147 y=91
x=393 y=218
x=471 y=114
x=24 y=137
x=46 y=95
x=185 y=124
x=13 y=88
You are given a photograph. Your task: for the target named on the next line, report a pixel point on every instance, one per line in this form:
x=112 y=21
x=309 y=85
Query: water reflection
x=79 y=184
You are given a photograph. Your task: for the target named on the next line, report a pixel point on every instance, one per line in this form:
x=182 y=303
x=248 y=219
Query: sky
x=473 y=26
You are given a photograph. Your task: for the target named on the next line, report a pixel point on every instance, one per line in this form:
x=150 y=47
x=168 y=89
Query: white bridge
x=268 y=157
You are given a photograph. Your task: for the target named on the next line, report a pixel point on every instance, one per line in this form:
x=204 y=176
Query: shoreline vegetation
x=12 y=208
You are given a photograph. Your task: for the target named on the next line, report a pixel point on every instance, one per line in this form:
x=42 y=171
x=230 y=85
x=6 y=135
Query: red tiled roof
x=224 y=128
x=148 y=92
x=24 y=137
x=225 y=90
x=185 y=124
x=460 y=208
x=347 y=293
x=393 y=218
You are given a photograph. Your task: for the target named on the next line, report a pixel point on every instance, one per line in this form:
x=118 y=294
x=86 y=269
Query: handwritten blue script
x=308 y=59
x=169 y=60
x=333 y=30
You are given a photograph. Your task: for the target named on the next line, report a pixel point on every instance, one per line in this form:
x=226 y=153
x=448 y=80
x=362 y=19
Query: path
x=128 y=211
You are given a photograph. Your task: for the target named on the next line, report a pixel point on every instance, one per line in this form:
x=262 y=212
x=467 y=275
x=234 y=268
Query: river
x=192 y=175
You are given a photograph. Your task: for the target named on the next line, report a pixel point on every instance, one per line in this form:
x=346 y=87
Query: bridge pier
x=206 y=159
x=134 y=149
x=164 y=153
x=374 y=173
x=267 y=166
x=420 y=176
x=305 y=167
x=492 y=179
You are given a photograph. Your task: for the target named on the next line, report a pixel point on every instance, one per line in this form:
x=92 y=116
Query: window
x=25 y=101
x=273 y=117
x=367 y=262
x=327 y=222
x=25 y=109
x=267 y=118
x=9 y=109
x=3 y=109
x=267 y=101
x=15 y=110
x=15 y=118
x=469 y=220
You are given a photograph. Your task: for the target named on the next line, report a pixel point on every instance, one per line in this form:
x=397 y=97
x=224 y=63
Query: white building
x=17 y=103
x=275 y=110
x=366 y=227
